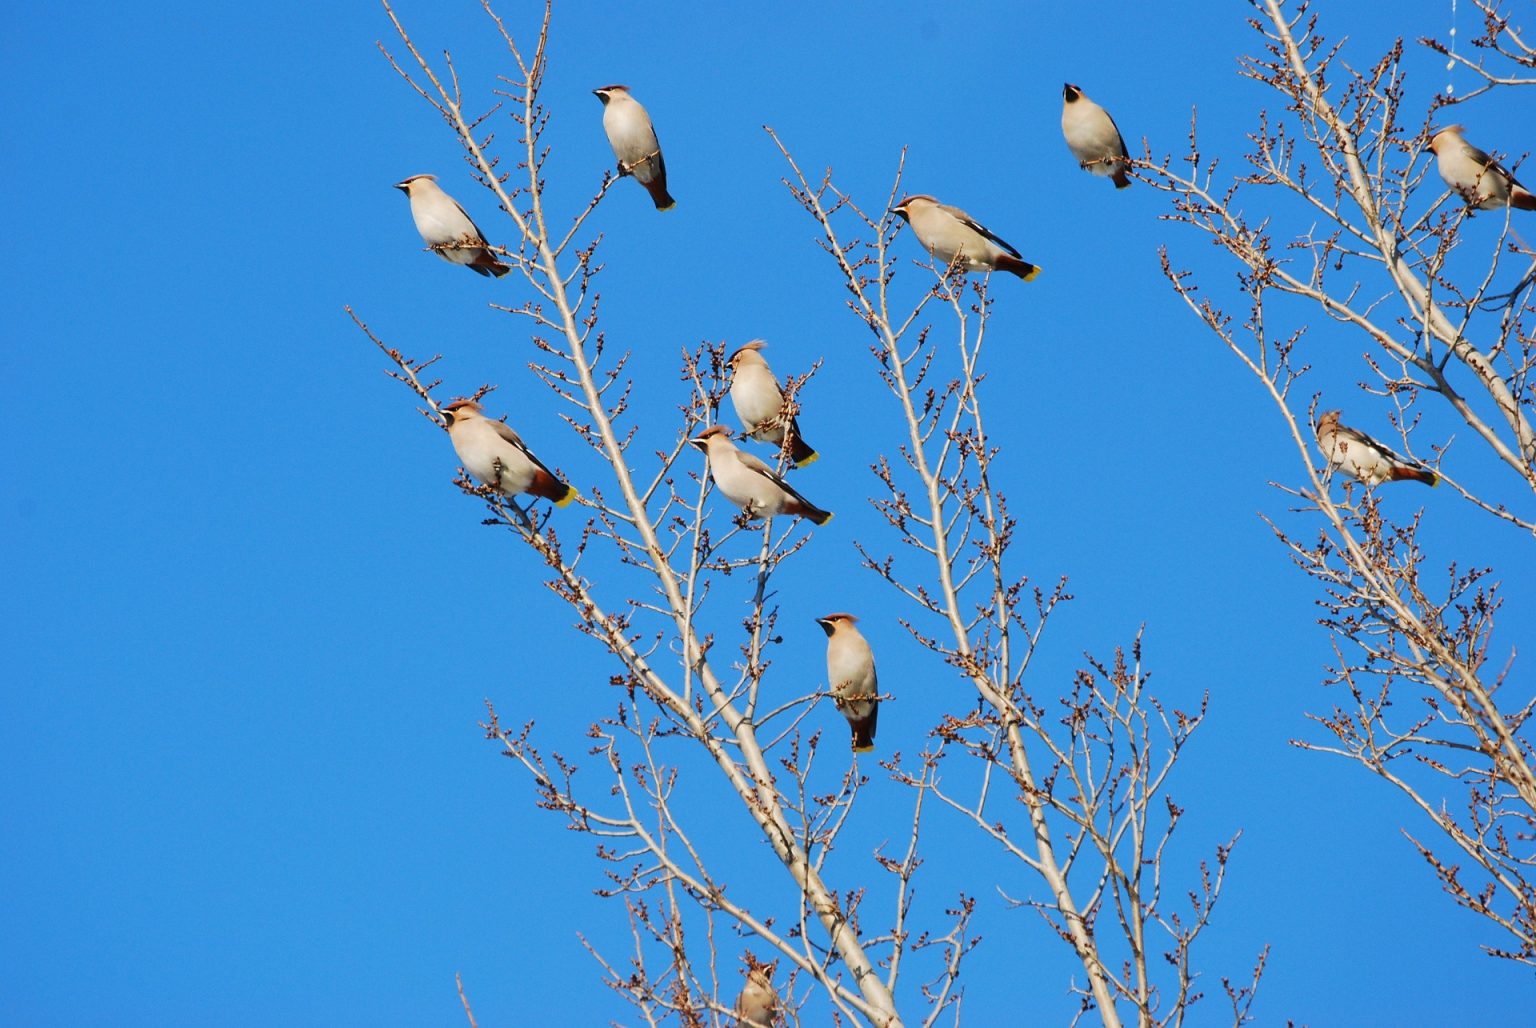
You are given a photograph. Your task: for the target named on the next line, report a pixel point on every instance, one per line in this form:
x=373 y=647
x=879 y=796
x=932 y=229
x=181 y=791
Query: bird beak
x=404 y=187
x=447 y=417
x=826 y=625
x=702 y=444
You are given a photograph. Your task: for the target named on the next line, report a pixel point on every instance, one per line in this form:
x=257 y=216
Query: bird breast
x=480 y=449
x=851 y=668
x=756 y=396
x=442 y=222
x=743 y=486
x=1091 y=136
x=944 y=237
x=629 y=130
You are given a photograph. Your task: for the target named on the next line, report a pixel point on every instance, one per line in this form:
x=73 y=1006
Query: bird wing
x=1118 y=137
x=1487 y=162
x=755 y=464
x=505 y=431
x=479 y=236
x=1355 y=437
x=966 y=219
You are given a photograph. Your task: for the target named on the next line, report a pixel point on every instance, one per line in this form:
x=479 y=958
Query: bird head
x=713 y=432
x=904 y=209
x=405 y=185
x=459 y=410
x=747 y=354
x=1328 y=421
x=1071 y=94
x=1440 y=135
x=606 y=93
x=832 y=622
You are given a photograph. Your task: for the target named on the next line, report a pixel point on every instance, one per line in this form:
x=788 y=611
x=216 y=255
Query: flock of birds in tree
x=496 y=456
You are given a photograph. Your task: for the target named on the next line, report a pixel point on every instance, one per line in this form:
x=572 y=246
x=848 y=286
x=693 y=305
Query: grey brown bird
x=492 y=453
x=1358 y=455
x=851 y=677
x=749 y=483
x=1092 y=136
x=759 y=403
x=446 y=228
x=948 y=232
x=757 y=1004
x=634 y=142
x=1480 y=180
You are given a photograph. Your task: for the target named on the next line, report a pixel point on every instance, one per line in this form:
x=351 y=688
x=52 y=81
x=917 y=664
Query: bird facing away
x=759 y=403
x=634 y=143
x=851 y=677
x=749 y=483
x=946 y=232
x=1482 y=181
x=1362 y=457
x=757 y=1003
x=495 y=456
x=1092 y=136
x=446 y=228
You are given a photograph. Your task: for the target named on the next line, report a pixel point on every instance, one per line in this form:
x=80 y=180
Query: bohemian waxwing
x=851 y=677
x=634 y=143
x=1482 y=181
x=758 y=1003
x=946 y=231
x=1362 y=457
x=759 y=403
x=493 y=454
x=749 y=483
x=1092 y=136
x=446 y=228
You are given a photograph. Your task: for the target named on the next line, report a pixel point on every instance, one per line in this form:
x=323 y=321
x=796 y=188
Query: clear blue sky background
x=250 y=623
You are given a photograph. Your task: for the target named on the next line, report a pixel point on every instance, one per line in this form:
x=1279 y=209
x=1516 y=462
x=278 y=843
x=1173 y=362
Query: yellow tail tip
x=568 y=499
x=1032 y=274
x=864 y=749
x=812 y=459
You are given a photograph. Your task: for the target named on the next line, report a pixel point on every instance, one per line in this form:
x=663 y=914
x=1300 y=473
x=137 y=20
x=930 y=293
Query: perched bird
x=758 y=1003
x=749 y=483
x=946 y=231
x=851 y=677
x=493 y=454
x=759 y=403
x=1092 y=136
x=634 y=143
x=1359 y=455
x=446 y=228
x=1482 y=181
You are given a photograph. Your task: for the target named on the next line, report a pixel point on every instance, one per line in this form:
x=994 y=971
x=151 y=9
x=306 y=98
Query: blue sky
x=251 y=622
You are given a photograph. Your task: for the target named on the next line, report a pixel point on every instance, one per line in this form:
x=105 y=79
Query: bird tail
x=1121 y=179
x=1012 y=264
x=486 y=263
x=551 y=488
x=1522 y=199
x=657 y=187
x=1403 y=473
x=864 y=733
x=801 y=453
x=801 y=507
